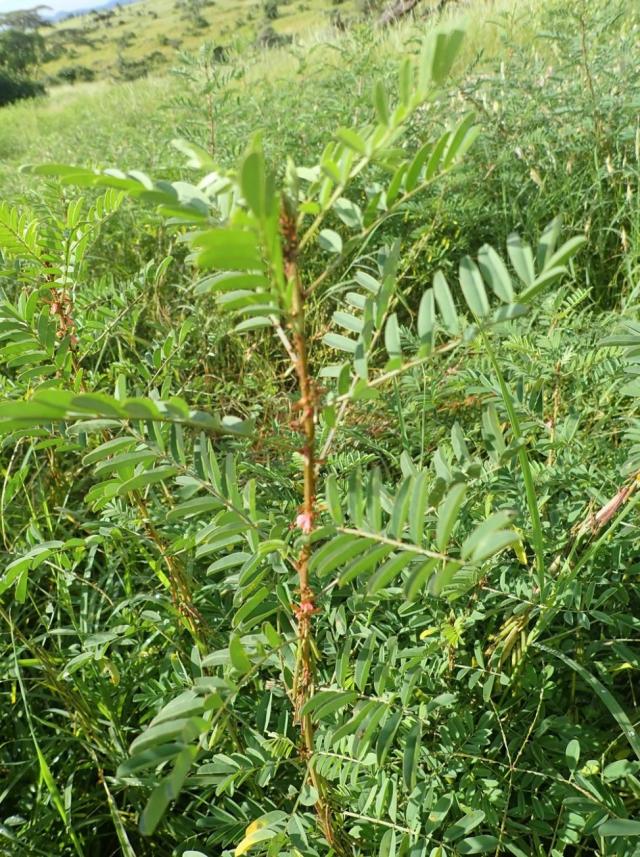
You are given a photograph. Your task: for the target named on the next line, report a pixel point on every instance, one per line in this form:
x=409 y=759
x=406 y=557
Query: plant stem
x=525 y=466
x=305 y=661
x=181 y=594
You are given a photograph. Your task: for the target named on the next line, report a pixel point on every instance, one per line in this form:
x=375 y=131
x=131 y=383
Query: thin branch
x=383 y=540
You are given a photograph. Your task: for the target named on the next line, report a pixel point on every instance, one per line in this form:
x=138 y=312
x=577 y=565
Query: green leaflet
x=328 y=702
x=238 y=655
x=167 y=791
x=411 y=756
x=336 y=552
x=386 y=736
x=388 y=571
x=365 y=563
x=605 y=696
x=448 y=514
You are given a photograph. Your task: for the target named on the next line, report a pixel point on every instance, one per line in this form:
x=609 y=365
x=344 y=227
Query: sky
x=56 y=5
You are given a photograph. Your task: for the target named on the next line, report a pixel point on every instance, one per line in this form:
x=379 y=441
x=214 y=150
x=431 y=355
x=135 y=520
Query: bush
x=133 y=69
x=75 y=73
x=167 y=42
x=199 y=22
x=270 y=38
x=14 y=88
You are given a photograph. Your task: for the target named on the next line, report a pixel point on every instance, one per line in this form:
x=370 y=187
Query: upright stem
x=525 y=467
x=305 y=662
x=181 y=594
x=307 y=408
x=597 y=119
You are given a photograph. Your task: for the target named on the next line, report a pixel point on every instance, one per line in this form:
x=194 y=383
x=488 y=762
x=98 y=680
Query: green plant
x=207 y=78
x=20 y=50
x=387 y=607
x=74 y=73
x=270 y=8
x=269 y=38
x=14 y=88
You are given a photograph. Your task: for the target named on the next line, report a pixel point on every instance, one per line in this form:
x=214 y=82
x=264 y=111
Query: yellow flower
x=249 y=839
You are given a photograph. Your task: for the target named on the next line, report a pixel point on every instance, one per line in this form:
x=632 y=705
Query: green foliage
x=468 y=624
x=15 y=88
x=75 y=73
x=271 y=11
x=20 y=50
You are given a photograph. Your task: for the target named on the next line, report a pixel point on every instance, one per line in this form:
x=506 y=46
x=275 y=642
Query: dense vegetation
x=20 y=51
x=320 y=448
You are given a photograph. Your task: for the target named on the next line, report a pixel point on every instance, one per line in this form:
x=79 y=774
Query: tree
x=20 y=50
x=27 y=19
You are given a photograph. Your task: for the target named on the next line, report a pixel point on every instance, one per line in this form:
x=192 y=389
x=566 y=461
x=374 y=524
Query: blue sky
x=56 y=5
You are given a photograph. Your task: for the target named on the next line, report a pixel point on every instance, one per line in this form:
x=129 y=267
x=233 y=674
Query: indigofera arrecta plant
x=321 y=713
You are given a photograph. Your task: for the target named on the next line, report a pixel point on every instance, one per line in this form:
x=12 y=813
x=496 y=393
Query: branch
x=401 y=8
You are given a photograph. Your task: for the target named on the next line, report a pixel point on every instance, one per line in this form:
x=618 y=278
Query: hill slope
x=130 y=41
x=63 y=14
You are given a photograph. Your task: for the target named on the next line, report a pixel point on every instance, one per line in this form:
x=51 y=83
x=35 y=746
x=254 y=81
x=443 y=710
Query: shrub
x=133 y=69
x=75 y=73
x=167 y=42
x=268 y=37
x=199 y=22
x=14 y=88
x=270 y=9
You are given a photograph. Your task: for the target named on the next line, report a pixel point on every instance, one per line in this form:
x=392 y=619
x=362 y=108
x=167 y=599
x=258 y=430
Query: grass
x=63 y=125
x=145 y=25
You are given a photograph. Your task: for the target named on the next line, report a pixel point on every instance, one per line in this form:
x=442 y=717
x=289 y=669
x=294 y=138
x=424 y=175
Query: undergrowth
x=388 y=603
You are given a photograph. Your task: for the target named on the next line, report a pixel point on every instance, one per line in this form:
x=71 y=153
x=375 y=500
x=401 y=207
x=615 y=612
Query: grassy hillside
x=301 y=90
x=537 y=131
x=148 y=34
